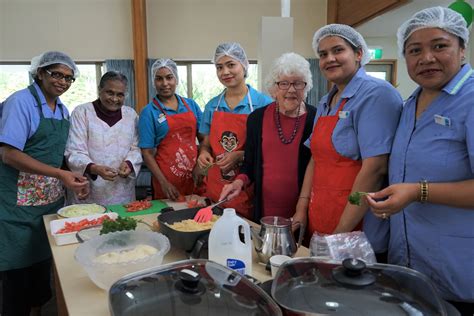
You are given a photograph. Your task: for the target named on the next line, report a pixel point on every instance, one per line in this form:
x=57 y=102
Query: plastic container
x=225 y=245
x=105 y=274
x=70 y=238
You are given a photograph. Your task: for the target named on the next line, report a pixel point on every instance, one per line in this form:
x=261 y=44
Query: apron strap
x=37 y=98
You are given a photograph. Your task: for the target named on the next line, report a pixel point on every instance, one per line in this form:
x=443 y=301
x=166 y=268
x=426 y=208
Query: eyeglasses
x=58 y=76
x=285 y=85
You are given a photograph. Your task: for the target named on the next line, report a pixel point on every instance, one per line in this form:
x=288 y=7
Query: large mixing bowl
x=105 y=274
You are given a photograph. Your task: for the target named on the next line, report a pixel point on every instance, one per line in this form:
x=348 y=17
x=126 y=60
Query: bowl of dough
x=107 y=258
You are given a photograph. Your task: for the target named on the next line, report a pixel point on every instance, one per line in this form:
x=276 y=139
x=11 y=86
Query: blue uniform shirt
x=152 y=130
x=437 y=240
x=258 y=100
x=367 y=126
x=20 y=116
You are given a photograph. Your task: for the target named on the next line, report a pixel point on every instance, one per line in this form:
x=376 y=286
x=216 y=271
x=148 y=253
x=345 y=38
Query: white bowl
x=70 y=238
x=76 y=210
x=105 y=274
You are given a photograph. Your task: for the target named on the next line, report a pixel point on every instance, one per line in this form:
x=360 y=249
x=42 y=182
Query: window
x=383 y=69
x=15 y=76
x=201 y=79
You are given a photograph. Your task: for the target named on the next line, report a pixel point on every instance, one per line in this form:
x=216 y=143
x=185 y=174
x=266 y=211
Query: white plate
x=77 y=210
x=70 y=238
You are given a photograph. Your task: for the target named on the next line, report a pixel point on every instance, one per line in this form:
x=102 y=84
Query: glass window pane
x=182 y=88
x=13 y=78
x=252 y=76
x=83 y=90
x=205 y=83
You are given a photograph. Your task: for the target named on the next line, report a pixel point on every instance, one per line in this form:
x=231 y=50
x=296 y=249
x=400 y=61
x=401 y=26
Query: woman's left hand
x=124 y=170
x=393 y=199
x=230 y=160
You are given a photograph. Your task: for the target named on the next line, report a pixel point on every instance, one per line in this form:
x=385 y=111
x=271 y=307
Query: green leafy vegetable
x=355 y=197
x=206 y=169
x=121 y=223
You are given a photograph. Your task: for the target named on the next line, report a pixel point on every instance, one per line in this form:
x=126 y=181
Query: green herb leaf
x=121 y=223
x=355 y=197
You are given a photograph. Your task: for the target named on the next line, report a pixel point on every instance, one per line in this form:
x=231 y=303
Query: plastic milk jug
x=225 y=246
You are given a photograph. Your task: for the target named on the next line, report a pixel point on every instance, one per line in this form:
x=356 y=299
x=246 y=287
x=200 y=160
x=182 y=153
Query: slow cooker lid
x=311 y=286
x=190 y=287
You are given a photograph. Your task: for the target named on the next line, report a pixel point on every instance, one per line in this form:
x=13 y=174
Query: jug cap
x=277 y=221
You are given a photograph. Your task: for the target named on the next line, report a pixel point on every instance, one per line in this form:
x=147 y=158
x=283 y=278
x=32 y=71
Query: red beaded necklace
x=280 y=130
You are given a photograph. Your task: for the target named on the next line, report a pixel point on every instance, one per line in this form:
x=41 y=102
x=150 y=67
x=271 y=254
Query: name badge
x=161 y=118
x=343 y=114
x=442 y=120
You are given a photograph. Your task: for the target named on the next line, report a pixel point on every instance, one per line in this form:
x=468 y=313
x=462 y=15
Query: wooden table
x=77 y=295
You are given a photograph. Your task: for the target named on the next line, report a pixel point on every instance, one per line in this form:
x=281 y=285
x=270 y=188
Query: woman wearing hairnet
x=168 y=128
x=224 y=125
x=33 y=133
x=430 y=199
x=280 y=127
x=352 y=137
x=103 y=144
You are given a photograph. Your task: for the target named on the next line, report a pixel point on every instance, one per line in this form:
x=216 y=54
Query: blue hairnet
x=346 y=32
x=436 y=17
x=51 y=58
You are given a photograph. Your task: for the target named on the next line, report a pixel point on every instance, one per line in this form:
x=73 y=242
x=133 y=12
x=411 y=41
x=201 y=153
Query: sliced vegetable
x=181 y=198
x=136 y=206
x=70 y=227
x=355 y=197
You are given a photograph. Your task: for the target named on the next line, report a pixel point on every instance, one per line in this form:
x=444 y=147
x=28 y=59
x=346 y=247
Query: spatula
x=205 y=214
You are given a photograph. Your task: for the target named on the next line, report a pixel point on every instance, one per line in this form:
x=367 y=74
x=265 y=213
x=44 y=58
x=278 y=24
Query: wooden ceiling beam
x=357 y=12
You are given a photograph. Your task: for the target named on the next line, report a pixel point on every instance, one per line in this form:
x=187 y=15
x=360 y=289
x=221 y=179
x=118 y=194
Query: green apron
x=25 y=197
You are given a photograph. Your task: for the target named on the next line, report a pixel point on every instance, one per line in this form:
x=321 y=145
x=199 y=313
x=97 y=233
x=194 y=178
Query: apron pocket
x=36 y=190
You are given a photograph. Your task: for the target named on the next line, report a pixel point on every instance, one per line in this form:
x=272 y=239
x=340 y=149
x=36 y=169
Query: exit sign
x=375 y=53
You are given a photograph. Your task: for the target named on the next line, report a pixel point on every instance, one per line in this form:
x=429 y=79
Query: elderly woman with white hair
x=430 y=199
x=275 y=154
x=353 y=131
x=168 y=128
x=224 y=125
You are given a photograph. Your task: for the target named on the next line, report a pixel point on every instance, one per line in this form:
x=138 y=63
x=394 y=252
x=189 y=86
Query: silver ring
x=384 y=216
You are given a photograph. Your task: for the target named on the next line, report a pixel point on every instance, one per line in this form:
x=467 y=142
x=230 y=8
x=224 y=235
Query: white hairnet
x=166 y=63
x=435 y=17
x=233 y=50
x=346 y=32
x=51 y=58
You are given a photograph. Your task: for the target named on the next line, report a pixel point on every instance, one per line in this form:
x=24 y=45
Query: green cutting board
x=156 y=207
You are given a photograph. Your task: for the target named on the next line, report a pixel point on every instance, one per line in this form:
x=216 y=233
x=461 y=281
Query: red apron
x=227 y=134
x=333 y=177
x=177 y=153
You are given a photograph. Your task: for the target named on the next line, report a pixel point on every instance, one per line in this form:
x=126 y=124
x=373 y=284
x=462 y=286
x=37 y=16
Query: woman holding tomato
x=224 y=125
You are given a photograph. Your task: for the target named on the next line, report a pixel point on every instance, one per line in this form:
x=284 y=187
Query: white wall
x=88 y=30
x=183 y=29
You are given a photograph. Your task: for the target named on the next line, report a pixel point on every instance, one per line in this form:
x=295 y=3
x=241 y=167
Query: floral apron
x=25 y=197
